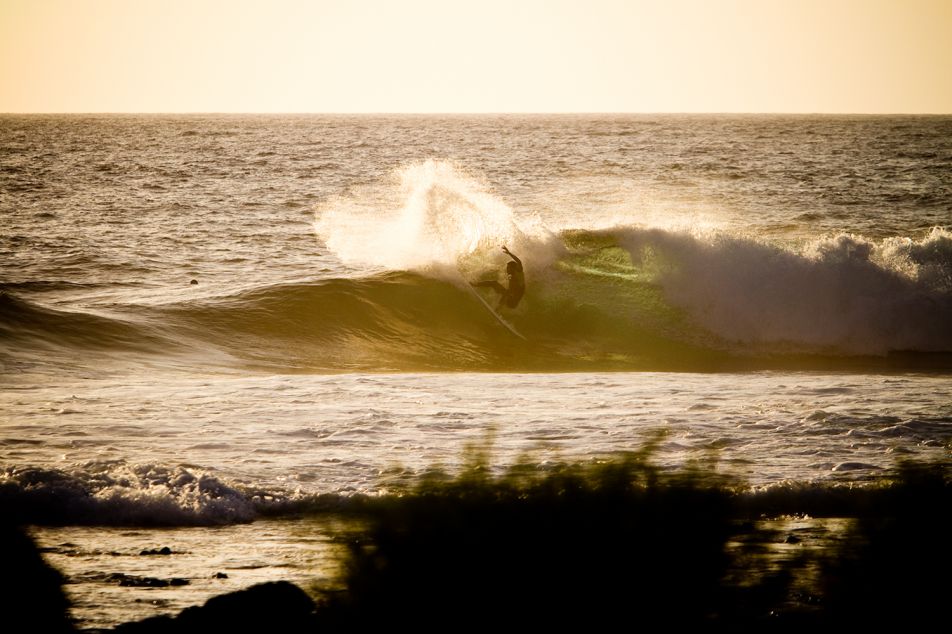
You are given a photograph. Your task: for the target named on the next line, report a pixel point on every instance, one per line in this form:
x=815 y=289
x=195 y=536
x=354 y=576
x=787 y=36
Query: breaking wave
x=627 y=297
x=623 y=298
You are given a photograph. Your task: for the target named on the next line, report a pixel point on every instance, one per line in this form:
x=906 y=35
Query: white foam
x=428 y=215
x=114 y=492
x=841 y=293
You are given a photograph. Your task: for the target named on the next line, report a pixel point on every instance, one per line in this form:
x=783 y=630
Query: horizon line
x=474 y=113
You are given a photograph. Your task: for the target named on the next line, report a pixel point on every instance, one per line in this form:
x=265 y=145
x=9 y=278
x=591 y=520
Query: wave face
x=25 y=323
x=621 y=298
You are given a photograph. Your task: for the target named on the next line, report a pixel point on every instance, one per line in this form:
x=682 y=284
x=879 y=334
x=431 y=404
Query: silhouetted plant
x=594 y=543
x=893 y=571
x=622 y=541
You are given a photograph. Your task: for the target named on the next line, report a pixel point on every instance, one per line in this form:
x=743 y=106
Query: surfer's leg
x=493 y=284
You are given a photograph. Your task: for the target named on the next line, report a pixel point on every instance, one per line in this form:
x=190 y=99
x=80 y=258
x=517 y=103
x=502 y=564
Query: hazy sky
x=867 y=56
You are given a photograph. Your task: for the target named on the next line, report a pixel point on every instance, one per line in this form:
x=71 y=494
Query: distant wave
x=622 y=298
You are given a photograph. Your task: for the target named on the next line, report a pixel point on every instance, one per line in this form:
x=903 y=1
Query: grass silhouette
x=623 y=541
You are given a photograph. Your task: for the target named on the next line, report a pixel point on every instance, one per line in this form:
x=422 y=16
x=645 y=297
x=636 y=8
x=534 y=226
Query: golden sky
x=858 y=56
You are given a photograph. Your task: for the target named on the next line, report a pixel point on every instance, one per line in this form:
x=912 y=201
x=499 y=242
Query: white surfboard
x=498 y=317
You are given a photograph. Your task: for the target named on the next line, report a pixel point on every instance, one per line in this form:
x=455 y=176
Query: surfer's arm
x=509 y=253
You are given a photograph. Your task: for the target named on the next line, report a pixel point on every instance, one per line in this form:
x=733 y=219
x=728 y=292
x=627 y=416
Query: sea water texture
x=214 y=320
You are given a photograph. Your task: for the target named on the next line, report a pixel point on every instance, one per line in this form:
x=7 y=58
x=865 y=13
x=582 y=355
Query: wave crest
x=117 y=493
x=842 y=294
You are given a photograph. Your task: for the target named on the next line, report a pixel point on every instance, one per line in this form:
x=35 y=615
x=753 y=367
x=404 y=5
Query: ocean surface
x=212 y=326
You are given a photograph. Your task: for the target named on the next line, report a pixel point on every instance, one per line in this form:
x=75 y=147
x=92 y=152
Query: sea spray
x=429 y=216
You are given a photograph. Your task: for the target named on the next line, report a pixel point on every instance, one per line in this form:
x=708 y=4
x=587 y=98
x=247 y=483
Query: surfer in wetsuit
x=511 y=296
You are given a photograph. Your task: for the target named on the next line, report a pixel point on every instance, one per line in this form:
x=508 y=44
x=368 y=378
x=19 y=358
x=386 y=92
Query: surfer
x=510 y=296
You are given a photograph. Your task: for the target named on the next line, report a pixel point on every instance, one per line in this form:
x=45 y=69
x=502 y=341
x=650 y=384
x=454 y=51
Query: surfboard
x=498 y=317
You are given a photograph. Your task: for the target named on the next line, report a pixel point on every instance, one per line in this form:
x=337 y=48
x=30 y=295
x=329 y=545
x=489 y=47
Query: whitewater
x=213 y=327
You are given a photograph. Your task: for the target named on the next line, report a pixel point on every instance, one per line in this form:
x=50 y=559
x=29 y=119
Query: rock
x=135 y=581
x=219 y=575
x=277 y=606
x=132 y=581
x=31 y=596
x=152 y=625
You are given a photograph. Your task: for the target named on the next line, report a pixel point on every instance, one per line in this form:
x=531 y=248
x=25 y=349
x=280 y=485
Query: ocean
x=213 y=328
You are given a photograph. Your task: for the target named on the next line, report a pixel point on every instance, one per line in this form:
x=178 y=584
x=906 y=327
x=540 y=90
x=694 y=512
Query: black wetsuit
x=517 y=287
x=509 y=297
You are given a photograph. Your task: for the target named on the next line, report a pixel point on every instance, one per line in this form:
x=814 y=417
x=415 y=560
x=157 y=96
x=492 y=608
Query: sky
x=476 y=56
